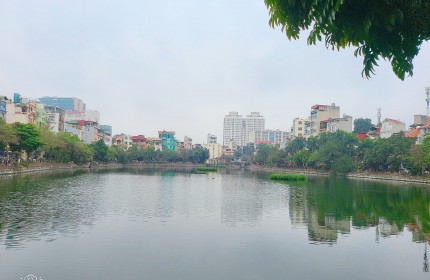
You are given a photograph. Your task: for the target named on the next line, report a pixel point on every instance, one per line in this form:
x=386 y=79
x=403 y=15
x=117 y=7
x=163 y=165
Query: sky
x=183 y=65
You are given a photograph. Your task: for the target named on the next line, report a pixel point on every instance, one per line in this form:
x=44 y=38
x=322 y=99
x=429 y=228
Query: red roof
x=413 y=133
x=393 y=120
x=330 y=119
x=138 y=138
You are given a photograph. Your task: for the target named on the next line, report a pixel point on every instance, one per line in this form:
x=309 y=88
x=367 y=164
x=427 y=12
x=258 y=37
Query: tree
x=100 y=151
x=29 y=137
x=362 y=125
x=8 y=136
x=390 y=29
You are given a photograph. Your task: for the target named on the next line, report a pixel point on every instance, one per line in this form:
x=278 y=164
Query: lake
x=173 y=224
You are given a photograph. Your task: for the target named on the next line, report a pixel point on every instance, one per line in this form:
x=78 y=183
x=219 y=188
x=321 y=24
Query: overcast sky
x=184 y=64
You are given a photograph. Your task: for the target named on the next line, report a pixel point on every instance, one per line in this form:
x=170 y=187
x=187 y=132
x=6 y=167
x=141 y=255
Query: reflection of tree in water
x=328 y=206
x=37 y=207
x=426 y=261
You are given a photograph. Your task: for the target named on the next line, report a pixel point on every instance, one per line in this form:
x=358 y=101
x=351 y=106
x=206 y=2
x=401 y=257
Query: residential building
x=252 y=122
x=55 y=118
x=269 y=136
x=212 y=139
x=107 y=134
x=419 y=120
x=67 y=103
x=233 y=128
x=215 y=152
x=3 y=101
x=333 y=125
x=390 y=127
x=188 y=143
x=300 y=128
x=139 y=140
x=168 y=140
x=21 y=112
x=86 y=131
x=238 y=129
x=122 y=140
x=156 y=143
x=321 y=113
x=92 y=115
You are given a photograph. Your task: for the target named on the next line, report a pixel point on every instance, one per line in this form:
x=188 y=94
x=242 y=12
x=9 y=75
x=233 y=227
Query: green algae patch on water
x=287 y=177
x=207 y=169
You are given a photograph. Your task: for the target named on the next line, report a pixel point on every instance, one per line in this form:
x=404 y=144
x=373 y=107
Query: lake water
x=136 y=224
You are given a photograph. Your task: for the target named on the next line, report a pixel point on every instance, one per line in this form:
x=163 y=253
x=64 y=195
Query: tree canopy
x=390 y=29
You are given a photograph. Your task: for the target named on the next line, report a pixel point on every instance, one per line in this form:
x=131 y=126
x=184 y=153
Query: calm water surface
x=230 y=225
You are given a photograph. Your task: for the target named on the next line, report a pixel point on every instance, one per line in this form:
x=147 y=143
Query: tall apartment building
x=67 y=103
x=233 y=128
x=238 y=129
x=321 y=113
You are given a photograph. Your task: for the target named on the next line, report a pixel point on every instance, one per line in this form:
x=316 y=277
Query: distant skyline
x=184 y=65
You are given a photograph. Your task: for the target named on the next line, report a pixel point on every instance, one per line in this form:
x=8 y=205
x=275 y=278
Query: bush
x=288 y=177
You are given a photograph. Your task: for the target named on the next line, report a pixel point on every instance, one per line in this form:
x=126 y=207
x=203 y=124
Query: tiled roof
x=413 y=133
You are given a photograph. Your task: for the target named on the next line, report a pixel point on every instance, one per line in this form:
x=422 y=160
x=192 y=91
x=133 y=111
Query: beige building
x=122 y=140
x=156 y=143
x=321 y=113
x=233 y=127
x=215 y=152
x=300 y=128
x=333 y=125
x=390 y=127
x=21 y=112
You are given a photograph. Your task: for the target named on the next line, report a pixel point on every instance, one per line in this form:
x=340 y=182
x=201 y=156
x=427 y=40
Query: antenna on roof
x=428 y=100
x=379 y=115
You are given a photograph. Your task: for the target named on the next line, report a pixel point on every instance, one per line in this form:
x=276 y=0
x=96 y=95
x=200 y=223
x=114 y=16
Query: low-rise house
x=140 y=141
x=107 y=134
x=122 y=140
x=332 y=125
x=167 y=140
x=390 y=127
x=156 y=143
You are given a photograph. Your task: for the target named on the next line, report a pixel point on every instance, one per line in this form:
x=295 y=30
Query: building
x=188 y=143
x=67 y=103
x=122 y=140
x=333 y=125
x=3 y=101
x=86 y=131
x=139 y=141
x=238 y=129
x=321 y=113
x=92 y=115
x=107 y=134
x=21 y=112
x=233 y=128
x=168 y=140
x=212 y=139
x=55 y=118
x=155 y=143
x=269 y=136
x=252 y=122
x=215 y=152
x=390 y=127
x=301 y=128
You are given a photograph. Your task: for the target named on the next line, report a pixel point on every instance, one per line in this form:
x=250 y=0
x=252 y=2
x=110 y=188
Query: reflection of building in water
x=385 y=229
x=298 y=206
x=328 y=229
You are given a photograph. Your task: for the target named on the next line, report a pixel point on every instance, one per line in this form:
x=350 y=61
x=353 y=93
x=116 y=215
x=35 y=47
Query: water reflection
x=331 y=206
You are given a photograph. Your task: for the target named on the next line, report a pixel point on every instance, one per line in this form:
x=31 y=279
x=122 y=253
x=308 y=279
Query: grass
x=206 y=169
x=288 y=177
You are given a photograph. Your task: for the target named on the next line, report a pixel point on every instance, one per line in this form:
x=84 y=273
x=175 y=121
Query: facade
x=269 y=136
x=238 y=129
x=156 y=143
x=188 y=143
x=55 y=118
x=122 y=140
x=233 y=128
x=300 y=128
x=107 y=134
x=3 y=102
x=320 y=113
x=168 y=140
x=67 y=103
x=252 y=122
x=215 y=152
x=92 y=115
x=139 y=141
x=390 y=127
x=86 y=131
x=212 y=139
x=21 y=112
x=333 y=125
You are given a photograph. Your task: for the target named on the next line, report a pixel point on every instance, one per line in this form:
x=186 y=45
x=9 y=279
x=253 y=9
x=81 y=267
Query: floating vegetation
x=206 y=169
x=288 y=177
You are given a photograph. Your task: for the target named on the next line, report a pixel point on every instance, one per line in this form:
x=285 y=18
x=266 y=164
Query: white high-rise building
x=238 y=129
x=233 y=127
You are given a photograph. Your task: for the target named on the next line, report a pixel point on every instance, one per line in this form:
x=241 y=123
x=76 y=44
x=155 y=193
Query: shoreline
x=37 y=167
